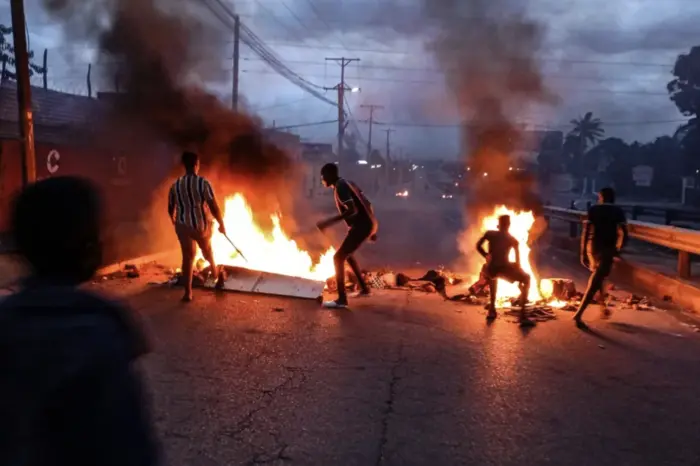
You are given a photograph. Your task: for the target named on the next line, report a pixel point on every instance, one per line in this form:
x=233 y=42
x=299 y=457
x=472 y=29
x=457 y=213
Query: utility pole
x=236 y=44
x=24 y=92
x=388 y=132
x=371 y=108
x=341 y=88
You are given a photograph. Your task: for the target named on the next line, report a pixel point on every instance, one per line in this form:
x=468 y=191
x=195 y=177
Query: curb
x=656 y=284
x=137 y=261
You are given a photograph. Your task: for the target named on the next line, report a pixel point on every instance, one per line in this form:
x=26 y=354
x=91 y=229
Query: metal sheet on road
x=252 y=281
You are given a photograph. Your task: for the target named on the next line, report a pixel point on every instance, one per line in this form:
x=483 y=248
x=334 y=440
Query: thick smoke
x=158 y=54
x=488 y=49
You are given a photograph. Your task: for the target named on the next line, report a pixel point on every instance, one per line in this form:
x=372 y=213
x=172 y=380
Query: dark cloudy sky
x=611 y=58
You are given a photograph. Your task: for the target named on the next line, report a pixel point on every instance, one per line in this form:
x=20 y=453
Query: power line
x=442 y=72
x=303 y=125
x=434 y=82
x=542 y=126
x=249 y=38
x=413 y=52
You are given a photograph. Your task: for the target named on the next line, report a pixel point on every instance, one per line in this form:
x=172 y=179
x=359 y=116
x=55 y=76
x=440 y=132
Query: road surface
x=409 y=379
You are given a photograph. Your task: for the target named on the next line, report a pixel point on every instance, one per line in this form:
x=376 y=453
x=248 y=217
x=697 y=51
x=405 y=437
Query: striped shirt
x=188 y=196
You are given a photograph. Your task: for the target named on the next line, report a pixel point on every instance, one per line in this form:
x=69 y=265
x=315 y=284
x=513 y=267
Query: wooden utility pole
x=341 y=88
x=371 y=108
x=236 y=45
x=24 y=92
x=387 y=162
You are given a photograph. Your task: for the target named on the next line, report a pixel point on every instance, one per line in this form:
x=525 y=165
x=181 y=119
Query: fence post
x=573 y=229
x=635 y=212
x=683 y=264
x=669 y=216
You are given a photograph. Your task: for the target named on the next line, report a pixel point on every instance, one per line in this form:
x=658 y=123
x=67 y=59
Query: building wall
x=128 y=180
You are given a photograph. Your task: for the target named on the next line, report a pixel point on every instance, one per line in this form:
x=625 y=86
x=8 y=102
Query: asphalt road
x=409 y=379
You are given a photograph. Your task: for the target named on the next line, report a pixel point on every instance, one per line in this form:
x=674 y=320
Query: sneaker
x=361 y=294
x=220 y=282
x=337 y=304
x=526 y=323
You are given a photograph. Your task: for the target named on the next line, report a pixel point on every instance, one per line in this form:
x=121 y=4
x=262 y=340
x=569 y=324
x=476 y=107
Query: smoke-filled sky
x=611 y=58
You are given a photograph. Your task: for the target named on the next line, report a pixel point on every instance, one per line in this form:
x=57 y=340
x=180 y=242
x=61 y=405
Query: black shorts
x=509 y=272
x=601 y=262
x=357 y=235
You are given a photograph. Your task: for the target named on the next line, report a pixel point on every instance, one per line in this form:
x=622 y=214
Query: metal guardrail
x=683 y=240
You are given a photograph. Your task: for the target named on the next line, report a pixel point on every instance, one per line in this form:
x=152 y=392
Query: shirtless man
x=499 y=266
x=601 y=242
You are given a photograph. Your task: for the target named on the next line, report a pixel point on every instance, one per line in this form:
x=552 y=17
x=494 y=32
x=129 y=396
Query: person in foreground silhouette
x=70 y=394
x=604 y=235
x=357 y=212
x=500 y=243
x=191 y=204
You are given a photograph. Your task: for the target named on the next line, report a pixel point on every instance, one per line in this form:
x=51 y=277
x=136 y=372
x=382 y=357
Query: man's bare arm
x=349 y=212
x=215 y=210
x=480 y=247
x=625 y=235
x=171 y=205
x=584 y=239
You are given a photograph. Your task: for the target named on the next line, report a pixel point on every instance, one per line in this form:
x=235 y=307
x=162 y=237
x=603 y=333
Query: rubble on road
x=433 y=281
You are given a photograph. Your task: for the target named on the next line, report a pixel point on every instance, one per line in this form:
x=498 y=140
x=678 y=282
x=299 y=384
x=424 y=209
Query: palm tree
x=588 y=130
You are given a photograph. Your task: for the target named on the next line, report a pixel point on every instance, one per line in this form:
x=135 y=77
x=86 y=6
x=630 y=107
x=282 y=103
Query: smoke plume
x=158 y=54
x=488 y=52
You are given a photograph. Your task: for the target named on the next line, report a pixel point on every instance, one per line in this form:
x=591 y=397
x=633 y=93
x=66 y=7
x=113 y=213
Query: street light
x=354 y=89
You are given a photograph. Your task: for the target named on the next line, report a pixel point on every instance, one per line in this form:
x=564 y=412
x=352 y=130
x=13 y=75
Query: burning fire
x=270 y=251
x=520 y=225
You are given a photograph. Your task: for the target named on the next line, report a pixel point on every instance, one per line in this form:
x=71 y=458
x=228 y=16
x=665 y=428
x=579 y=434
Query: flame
x=271 y=251
x=520 y=224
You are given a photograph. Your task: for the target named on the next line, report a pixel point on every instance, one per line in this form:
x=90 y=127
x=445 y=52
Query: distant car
x=447 y=196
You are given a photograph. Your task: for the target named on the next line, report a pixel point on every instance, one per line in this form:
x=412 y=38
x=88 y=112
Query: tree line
x=585 y=152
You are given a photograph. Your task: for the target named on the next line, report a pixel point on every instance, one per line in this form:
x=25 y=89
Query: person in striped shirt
x=191 y=204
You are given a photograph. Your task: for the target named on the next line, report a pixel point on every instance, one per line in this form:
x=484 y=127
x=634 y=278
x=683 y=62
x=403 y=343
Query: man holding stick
x=186 y=208
x=356 y=211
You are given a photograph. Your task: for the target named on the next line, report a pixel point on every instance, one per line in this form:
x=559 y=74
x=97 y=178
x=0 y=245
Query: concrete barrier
x=640 y=278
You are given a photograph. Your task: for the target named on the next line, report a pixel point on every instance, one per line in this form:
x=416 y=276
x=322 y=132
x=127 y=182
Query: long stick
x=234 y=247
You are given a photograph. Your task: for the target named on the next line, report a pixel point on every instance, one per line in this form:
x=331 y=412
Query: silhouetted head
x=504 y=223
x=606 y=196
x=190 y=161
x=56 y=224
x=329 y=174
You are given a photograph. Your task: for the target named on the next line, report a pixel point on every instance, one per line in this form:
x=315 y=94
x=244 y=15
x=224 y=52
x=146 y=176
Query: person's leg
x=204 y=243
x=524 y=285
x=355 y=267
x=188 y=249
x=350 y=244
x=595 y=283
x=493 y=292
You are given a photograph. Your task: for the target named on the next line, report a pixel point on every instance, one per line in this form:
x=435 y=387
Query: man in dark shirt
x=69 y=394
x=600 y=244
x=356 y=211
x=498 y=265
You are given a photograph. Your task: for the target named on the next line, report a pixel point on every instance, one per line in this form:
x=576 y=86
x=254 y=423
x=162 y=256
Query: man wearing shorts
x=188 y=200
x=600 y=244
x=498 y=266
x=356 y=211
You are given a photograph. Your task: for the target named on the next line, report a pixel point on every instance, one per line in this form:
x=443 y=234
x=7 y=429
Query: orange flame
x=520 y=224
x=271 y=251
